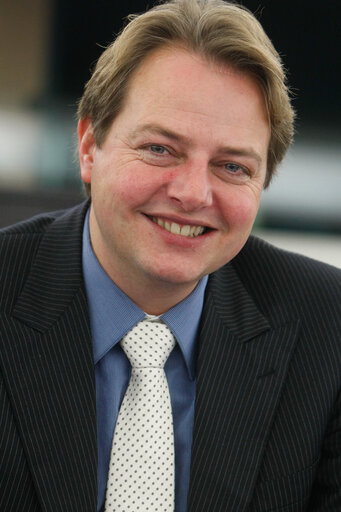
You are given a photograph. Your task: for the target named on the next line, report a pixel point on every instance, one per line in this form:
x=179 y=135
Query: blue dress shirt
x=112 y=315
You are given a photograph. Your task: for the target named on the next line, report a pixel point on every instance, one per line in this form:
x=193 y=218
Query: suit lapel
x=47 y=360
x=241 y=367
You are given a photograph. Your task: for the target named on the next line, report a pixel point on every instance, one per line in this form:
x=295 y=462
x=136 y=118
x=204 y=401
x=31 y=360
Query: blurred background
x=47 y=51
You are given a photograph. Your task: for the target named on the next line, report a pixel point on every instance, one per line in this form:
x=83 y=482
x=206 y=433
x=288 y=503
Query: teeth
x=185 y=230
x=198 y=230
x=176 y=229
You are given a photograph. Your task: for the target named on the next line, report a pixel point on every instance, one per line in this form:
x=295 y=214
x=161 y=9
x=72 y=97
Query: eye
x=232 y=172
x=157 y=154
x=235 y=168
x=158 y=149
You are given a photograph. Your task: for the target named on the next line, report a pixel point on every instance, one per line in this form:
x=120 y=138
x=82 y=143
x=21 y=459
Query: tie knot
x=148 y=344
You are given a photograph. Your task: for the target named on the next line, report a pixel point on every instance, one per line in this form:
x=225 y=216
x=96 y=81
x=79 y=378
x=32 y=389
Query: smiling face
x=177 y=182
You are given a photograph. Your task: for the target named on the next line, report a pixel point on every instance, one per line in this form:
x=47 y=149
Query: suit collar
x=234 y=305
x=241 y=368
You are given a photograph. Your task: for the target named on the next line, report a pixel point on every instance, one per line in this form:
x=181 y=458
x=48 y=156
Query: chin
x=176 y=276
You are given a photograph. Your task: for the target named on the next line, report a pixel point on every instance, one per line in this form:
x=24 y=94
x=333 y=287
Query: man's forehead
x=170 y=69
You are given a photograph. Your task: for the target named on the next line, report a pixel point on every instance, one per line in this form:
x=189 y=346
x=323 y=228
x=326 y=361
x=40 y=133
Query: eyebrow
x=228 y=150
x=247 y=152
x=160 y=130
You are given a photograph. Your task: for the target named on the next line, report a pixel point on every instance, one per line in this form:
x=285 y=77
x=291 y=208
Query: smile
x=177 y=229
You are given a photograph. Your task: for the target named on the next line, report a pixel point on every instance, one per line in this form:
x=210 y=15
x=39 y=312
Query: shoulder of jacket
x=258 y=252
x=19 y=245
x=32 y=226
x=288 y=283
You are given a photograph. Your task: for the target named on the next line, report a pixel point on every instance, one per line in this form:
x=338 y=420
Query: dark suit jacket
x=267 y=433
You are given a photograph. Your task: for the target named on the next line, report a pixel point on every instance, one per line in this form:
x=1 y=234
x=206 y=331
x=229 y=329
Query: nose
x=190 y=187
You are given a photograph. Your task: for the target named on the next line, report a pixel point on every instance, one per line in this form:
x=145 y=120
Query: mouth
x=185 y=230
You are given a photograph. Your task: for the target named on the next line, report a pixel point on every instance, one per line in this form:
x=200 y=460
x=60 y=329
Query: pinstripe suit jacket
x=267 y=433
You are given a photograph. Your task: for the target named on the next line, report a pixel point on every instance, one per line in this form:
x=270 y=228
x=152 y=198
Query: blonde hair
x=218 y=31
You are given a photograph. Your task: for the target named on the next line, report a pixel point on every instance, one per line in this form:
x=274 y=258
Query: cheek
x=134 y=188
x=168 y=176
x=128 y=189
x=240 y=209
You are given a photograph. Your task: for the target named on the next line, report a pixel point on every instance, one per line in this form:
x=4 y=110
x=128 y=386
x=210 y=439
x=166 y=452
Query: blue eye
x=157 y=154
x=234 y=168
x=160 y=150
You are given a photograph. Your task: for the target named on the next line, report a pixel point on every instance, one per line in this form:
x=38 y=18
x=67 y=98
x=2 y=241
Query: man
x=181 y=126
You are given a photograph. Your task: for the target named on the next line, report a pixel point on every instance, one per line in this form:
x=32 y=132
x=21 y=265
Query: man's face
x=177 y=183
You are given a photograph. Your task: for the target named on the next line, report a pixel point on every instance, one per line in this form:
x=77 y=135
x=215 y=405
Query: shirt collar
x=113 y=314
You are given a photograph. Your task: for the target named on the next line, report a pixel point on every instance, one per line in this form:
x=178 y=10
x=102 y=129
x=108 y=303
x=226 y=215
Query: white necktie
x=141 y=469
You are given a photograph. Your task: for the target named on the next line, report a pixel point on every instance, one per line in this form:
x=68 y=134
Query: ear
x=86 y=148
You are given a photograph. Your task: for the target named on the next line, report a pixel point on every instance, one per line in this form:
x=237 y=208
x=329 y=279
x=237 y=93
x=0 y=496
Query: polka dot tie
x=141 y=470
